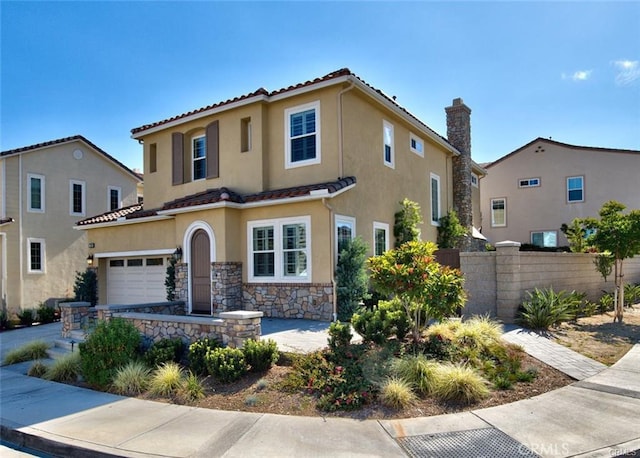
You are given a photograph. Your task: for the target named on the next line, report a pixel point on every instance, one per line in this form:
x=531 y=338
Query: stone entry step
x=65 y=345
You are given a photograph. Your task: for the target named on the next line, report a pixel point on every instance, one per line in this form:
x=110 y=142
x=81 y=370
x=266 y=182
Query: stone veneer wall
x=182 y=282
x=290 y=300
x=226 y=286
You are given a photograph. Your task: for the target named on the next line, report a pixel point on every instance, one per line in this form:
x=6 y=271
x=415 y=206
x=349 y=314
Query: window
x=134 y=262
x=544 y=238
x=245 y=135
x=155 y=261
x=416 y=145
x=345 y=231
x=36 y=255
x=302 y=135
x=113 y=198
x=380 y=238
x=435 y=199
x=77 y=197
x=153 y=158
x=529 y=183
x=474 y=180
x=498 y=212
x=575 y=189
x=35 y=193
x=199 y=149
x=388 y=153
x=116 y=263
x=280 y=250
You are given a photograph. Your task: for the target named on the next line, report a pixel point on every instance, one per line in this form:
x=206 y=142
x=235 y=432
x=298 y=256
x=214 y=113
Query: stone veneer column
x=459 y=135
x=182 y=282
x=226 y=286
x=508 y=289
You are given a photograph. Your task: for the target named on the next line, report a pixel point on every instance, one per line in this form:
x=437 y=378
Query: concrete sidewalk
x=597 y=416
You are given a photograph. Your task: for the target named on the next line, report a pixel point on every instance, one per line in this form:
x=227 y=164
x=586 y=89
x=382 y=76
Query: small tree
x=170 y=279
x=576 y=235
x=406 y=224
x=425 y=288
x=85 y=288
x=351 y=278
x=618 y=234
x=450 y=231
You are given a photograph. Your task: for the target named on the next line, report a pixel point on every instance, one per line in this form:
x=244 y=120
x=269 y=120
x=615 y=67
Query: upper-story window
x=416 y=145
x=199 y=155
x=575 y=189
x=499 y=212
x=77 y=197
x=474 y=180
x=245 y=135
x=302 y=135
x=35 y=193
x=435 y=199
x=529 y=182
x=388 y=148
x=114 y=199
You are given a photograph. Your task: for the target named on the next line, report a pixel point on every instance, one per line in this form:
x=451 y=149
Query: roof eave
x=121 y=222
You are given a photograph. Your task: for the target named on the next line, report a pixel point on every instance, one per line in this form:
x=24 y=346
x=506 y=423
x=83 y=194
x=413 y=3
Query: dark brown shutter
x=177 y=150
x=213 y=151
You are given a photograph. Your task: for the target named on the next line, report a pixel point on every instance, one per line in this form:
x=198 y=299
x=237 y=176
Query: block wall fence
x=497 y=282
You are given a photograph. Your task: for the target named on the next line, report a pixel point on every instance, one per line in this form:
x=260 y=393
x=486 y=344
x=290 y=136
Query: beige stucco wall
x=65 y=249
x=607 y=176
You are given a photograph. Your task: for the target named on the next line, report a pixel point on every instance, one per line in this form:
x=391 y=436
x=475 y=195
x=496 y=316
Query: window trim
x=504 y=199
x=278 y=275
x=528 y=180
x=543 y=232
x=84 y=197
x=42 y=269
x=475 y=180
x=119 y=190
x=345 y=219
x=384 y=226
x=569 y=201
x=37 y=176
x=432 y=177
x=413 y=137
x=288 y=112
x=391 y=163
x=194 y=159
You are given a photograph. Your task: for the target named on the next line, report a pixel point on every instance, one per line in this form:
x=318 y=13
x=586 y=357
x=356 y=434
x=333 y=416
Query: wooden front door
x=200 y=273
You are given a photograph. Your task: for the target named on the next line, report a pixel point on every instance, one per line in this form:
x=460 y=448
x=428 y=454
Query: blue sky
x=569 y=71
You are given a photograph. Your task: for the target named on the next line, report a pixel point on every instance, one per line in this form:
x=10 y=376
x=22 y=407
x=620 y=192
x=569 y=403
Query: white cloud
x=580 y=75
x=628 y=71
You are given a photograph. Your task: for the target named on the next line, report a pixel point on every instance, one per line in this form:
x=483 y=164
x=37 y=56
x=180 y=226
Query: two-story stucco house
x=45 y=189
x=528 y=194
x=255 y=194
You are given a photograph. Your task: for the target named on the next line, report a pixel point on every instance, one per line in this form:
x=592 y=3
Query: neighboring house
x=529 y=193
x=254 y=196
x=45 y=189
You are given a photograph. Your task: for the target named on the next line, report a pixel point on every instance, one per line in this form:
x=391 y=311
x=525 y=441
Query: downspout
x=20 y=246
x=332 y=260
x=340 y=139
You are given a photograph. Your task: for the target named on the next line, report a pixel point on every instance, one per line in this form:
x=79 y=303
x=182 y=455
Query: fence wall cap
x=241 y=315
x=507 y=243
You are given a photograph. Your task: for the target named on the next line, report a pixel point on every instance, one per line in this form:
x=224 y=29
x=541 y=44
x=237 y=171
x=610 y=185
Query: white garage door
x=136 y=280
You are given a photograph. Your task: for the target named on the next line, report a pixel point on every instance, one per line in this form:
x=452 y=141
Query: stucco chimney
x=459 y=135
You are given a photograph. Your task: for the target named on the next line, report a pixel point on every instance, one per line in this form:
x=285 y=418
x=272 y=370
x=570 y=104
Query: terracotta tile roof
x=60 y=141
x=213 y=196
x=333 y=75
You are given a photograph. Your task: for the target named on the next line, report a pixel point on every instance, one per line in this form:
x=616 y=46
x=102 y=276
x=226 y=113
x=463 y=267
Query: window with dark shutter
x=213 y=150
x=177 y=151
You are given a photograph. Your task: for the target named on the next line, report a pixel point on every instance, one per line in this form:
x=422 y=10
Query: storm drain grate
x=474 y=443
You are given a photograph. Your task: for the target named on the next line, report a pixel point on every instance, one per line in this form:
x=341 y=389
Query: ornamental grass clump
x=27 y=352
x=166 y=380
x=65 y=369
x=459 y=383
x=132 y=379
x=418 y=371
x=37 y=369
x=397 y=393
x=192 y=388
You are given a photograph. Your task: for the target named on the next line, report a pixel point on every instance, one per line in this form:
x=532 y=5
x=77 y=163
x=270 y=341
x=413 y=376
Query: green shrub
x=111 y=345
x=251 y=400
x=631 y=294
x=450 y=230
x=307 y=372
x=64 y=369
x=226 y=364
x=37 y=369
x=503 y=383
x=605 y=304
x=85 y=287
x=378 y=325
x=340 y=336
x=260 y=355
x=351 y=277
x=546 y=308
x=166 y=379
x=459 y=383
x=397 y=393
x=164 y=351
x=198 y=353
x=46 y=314
x=131 y=379
x=418 y=371
x=5 y=322
x=27 y=352
x=27 y=317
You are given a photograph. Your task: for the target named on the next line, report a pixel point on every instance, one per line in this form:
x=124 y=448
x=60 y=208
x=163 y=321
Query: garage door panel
x=135 y=284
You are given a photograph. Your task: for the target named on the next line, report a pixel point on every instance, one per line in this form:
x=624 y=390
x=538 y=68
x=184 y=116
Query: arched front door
x=200 y=273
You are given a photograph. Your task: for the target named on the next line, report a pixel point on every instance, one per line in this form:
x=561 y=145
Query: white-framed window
x=435 y=199
x=114 y=197
x=279 y=250
x=380 y=238
x=345 y=231
x=199 y=157
x=388 y=151
x=499 y=212
x=544 y=238
x=302 y=135
x=35 y=193
x=35 y=252
x=416 y=144
x=575 y=189
x=529 y=182
x=77 y=197
x=474 y=180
